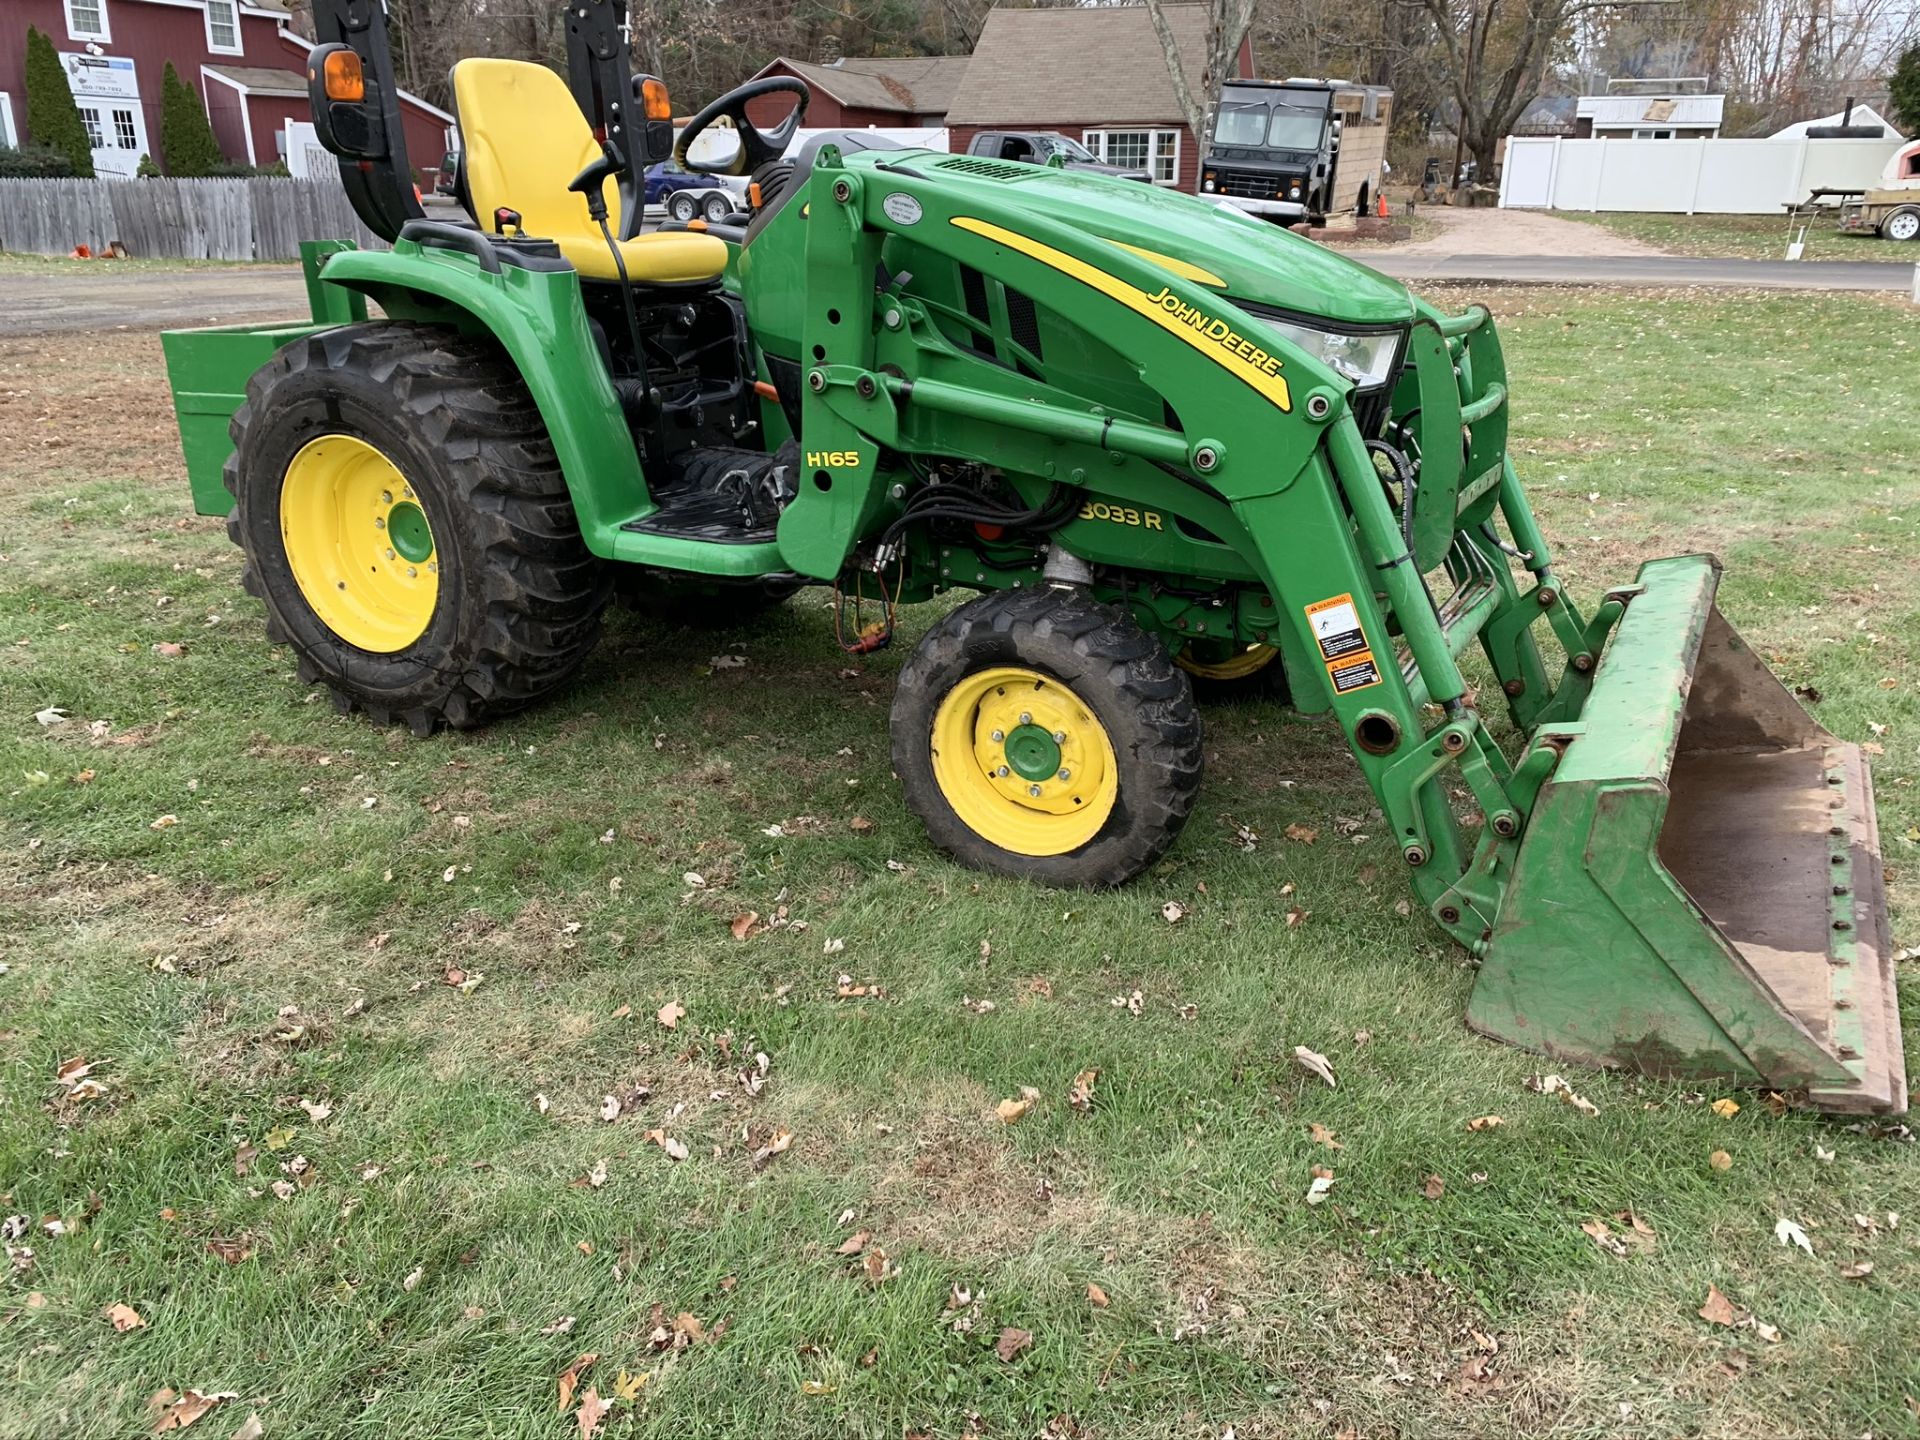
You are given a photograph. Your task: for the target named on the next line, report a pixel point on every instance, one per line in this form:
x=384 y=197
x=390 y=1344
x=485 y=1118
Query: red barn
x=893 y=92
x=1096 y=74
x=241 y=55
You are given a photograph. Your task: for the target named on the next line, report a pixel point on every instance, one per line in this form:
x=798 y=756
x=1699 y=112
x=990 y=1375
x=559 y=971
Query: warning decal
x=1336 y=625
x=1343 y=645
x=1355 y=673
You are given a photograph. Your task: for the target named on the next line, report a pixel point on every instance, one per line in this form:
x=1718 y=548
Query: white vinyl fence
x=1720 y=177
x=256 y=218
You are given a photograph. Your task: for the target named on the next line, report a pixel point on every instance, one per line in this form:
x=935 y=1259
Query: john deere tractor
x=1154 y=439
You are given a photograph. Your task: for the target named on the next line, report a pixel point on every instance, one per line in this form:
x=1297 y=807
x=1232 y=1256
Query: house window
x=9 y=137
x=1653 y=134
x=124 y=134
x=1156 y=151
x=223 y=27
x=90 y=117
x=87 y=20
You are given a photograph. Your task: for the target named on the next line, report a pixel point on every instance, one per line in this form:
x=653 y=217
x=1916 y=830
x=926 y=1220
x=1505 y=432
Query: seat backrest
x=524 y=138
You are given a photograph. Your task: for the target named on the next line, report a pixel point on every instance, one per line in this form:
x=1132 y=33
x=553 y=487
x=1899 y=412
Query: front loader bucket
x=1698 y=894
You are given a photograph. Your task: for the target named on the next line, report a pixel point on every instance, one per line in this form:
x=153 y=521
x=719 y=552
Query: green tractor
x=1157 y=441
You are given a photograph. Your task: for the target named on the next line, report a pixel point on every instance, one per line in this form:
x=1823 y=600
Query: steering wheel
x=757 y=147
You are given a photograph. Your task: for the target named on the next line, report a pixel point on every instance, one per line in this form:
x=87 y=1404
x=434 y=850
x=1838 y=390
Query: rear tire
x=1901 y=225
x=682 y=206
x=716 y=207
x=1088 y=695
x=1240 y=672
x=516 y=597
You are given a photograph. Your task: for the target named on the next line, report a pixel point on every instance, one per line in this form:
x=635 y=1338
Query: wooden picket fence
x=256 y=218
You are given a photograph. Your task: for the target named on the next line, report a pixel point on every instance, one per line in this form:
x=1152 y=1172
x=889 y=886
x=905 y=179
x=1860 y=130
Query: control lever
x=590 y=183
x=503 y=217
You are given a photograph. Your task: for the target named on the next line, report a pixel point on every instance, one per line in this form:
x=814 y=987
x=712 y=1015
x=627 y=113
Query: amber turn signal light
x=345 y=79
x=653 y=94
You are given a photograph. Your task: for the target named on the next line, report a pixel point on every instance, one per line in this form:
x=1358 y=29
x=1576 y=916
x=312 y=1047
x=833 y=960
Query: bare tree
x=1498 y=59
x=1227 y=24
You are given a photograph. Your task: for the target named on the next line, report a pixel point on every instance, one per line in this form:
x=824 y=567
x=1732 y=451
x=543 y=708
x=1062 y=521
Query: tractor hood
x=1258 y=260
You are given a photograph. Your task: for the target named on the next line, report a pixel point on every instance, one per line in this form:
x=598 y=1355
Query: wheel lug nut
x=1066 y=774
x=998 y=736
x=1025 y=718
x=411 y=572
x=380 y=522
x=1001 y=772
x=1034 y=791
x=1059 y=737
x=389 y=554
x=386 y=497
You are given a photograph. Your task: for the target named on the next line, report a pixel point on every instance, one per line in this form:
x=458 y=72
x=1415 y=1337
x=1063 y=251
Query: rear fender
x=538 y=319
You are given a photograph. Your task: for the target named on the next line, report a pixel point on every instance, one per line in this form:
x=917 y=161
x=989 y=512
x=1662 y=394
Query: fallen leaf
x=1097 y=1297
x=1080 y=1093
x=1173 y=912
x=610 y=1108
x=244 y=1157
x=1720 y=1160
x=1304 y=834
x=169 y=650
x=1717 y=1309
x=125 y=1317
x=1603 y=1236
x=744 y=923
x=317 y=1110
x=231 y=1251
x=1484 y=1122
x=854 y=1243
x=1314 y=1063
x=1297 y=917
x=1013 y=1340
x=251 y=1429
x=562 y=1326
x=1725 y=1109
x=570 y=1377
x=1010 y=1110
x=1859 y=1270
x=593 y=1179
x=1318 y=1187
x=1434 y=1187
x=628 y=1387
x=1556 y=1085
x=177 y=1412
x=1321 y=1135
x=778 y=1144
x=414 y=1277
x=593 y=1410
x=1789 y=1233
x=673 y=1012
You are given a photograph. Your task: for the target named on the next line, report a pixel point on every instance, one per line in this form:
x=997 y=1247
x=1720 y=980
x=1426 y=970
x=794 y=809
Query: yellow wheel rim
x=1249 y=661
x=1024 y=762
x=359 y=544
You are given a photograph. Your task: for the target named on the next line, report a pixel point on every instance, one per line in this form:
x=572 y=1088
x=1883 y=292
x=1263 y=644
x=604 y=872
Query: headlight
x=1366 y=359
x=1293 y=193
x=1209 y=185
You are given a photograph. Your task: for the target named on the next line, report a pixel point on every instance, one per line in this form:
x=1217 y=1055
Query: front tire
x=1041 y=734
x=407 y=526
x=682 y=206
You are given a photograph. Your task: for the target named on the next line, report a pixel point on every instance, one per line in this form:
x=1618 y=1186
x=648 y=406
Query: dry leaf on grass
x=671 y=1014
x=1097 y=1297
x=1484 y=1122
x=1557 y=1085
x=570 y=1377
x=1012 y=1342
x=854 y=1243
x=778 y=1144
x=562 y=1326
x=1303 y=834
x=610 y=1108
x=745 y=924
x=1859 y=1270
x=593 y=1179
x=1314 y=1063
x=250 y=1428
x=1011 y=1110
x=1080 y=1093
x=592 y=1413
x=1173 y=912
x=1720 y=1160
x=178 y=1411
x=1725 y=1109
x=1434 y=1187
x=1321 y=1183
x=1717 y=1309
x=1788 y=1232
x=1321 y=1135
x=124 y=1317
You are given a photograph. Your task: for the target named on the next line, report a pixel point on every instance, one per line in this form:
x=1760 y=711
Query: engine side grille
x=987 y=169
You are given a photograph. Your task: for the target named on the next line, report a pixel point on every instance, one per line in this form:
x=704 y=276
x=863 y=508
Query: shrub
x=186 y=137
x=34 y=162
x=53 y=120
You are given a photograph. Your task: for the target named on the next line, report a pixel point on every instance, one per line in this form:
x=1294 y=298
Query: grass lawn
x=1746 y=237
x=13 y=262
x=356 y=1002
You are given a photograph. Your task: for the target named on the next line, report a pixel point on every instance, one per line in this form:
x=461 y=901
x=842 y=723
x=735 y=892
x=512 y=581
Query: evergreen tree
x=53 y=120
x=187 y=145
x=1904 y=88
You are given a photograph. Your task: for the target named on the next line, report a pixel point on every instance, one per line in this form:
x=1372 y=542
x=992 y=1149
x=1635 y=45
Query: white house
x=1648 y=117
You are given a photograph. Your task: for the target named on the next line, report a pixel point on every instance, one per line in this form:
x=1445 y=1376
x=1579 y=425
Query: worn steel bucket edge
x=1698 y=895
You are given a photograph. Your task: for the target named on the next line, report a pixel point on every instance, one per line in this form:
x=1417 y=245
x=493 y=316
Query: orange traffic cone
x=1382 y=212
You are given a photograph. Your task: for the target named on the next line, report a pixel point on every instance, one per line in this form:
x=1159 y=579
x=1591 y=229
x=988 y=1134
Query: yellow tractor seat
x=525 y=138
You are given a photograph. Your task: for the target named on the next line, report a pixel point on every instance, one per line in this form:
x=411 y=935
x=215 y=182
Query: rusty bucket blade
x=1699 y=893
